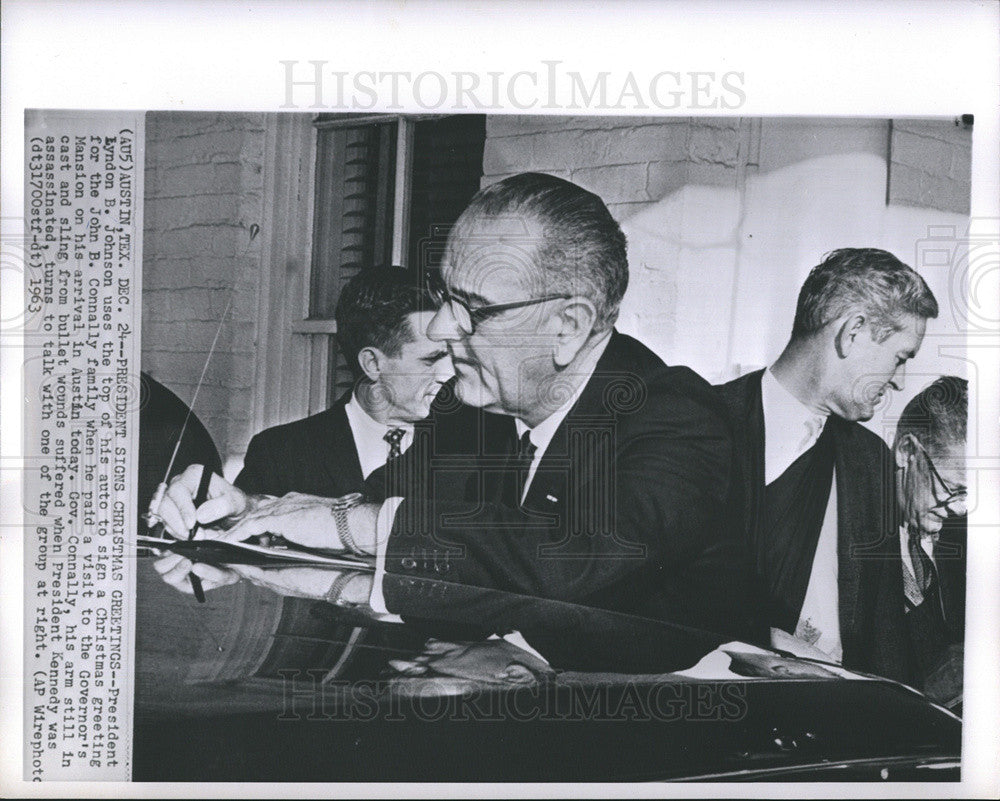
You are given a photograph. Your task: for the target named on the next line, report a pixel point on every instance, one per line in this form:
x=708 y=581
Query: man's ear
x=905 y=449
x=370 y=359
x=848 y=332
x=575 y=322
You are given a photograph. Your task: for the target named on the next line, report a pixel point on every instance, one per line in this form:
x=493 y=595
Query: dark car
x=255 y=687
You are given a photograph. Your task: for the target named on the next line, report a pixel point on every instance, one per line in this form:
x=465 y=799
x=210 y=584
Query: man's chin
x=470 y=390
x=930 y=523
x=864 y=413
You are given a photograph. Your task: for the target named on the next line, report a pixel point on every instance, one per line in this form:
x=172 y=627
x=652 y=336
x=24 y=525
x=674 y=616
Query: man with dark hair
x=616 y=487
x=818 y=488
x=931 y=489
x=382 y=318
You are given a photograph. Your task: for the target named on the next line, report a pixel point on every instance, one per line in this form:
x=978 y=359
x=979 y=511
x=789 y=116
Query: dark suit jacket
x=870 y=585
x=317 y=455
x=632 y=509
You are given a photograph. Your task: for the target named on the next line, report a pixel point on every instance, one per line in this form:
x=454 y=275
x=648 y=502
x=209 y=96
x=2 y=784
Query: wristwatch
x=339 y=509
x=337 y=588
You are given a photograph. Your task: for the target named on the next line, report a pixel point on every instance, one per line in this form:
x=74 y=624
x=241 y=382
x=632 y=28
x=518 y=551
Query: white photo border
x=798 y=57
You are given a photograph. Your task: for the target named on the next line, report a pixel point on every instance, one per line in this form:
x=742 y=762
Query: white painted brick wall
x=630 y=162
x=204 y=184
x=931 y=165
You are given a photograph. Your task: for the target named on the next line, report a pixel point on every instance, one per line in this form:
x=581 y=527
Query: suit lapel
x=852 y=511
x=338 y=454
x=591 y=418
x=752 y=441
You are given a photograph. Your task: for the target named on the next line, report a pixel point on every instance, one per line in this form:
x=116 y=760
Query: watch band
x=337 y=588
x=339 y=509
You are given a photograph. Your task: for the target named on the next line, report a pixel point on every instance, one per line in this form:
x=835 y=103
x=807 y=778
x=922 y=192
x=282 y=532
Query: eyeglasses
x=468 y=317
x=945 y=494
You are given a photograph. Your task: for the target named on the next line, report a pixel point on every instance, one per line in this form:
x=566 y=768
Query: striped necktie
x=923 y=571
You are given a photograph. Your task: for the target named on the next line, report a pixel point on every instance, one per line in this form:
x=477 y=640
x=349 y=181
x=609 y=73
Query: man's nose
x=443 y=326
x=959 y=507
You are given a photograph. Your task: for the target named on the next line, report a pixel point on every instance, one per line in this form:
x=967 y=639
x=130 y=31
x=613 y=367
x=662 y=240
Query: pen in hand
x=199 y=499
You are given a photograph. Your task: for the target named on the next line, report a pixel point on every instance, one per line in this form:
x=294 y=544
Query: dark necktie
x=395 y=480
x=923 y=570
x=521 y=452
x=525 y=450
x=394 y=436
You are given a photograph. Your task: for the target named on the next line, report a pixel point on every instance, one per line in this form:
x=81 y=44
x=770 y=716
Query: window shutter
x=353 y=226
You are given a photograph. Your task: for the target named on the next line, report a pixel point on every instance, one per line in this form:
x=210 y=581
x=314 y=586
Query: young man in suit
x=382 y=318
x=617 y=487
x=364 y=442
x=818 y=486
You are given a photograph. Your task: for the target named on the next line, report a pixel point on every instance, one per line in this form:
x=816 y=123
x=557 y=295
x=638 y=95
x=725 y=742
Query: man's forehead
x=487 y=255
x=479 y=237
x=949 y=458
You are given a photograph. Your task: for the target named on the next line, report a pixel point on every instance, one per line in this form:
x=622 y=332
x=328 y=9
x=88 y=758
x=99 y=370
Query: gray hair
x=866 y=278
x=938 y=415
x=582 y=247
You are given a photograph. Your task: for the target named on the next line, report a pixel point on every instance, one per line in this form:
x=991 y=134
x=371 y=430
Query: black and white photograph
x=536 y=425
x=475 y=314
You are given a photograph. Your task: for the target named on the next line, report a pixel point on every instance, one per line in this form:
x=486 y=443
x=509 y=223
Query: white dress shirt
x=369 y=437
x=790 y=429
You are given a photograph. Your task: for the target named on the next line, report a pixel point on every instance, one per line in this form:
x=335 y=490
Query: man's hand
x=307 y=520
x=784 y=641
x=174 y=568
x=489 y=662
x=177 y=507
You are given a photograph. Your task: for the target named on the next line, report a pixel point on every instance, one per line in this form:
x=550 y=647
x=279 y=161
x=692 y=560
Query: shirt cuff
x=383 y=527
x=516 y=639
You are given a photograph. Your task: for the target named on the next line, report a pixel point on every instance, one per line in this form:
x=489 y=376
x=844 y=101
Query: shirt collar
x=541 y=435
x=369 y=437
x=780 y=404
x=790 y=427
x=357 y=415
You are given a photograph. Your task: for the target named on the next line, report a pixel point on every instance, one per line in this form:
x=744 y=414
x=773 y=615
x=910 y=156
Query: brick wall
x=931 y=164
x=676 y=185
x=630 y=162
x=204 y=187
x=726 y=216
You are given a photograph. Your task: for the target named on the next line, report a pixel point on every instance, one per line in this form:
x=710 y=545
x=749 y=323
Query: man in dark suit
x=364 y=442
x=620 y=492
x=818 y=486
x=931 y=489
x=382 y=318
